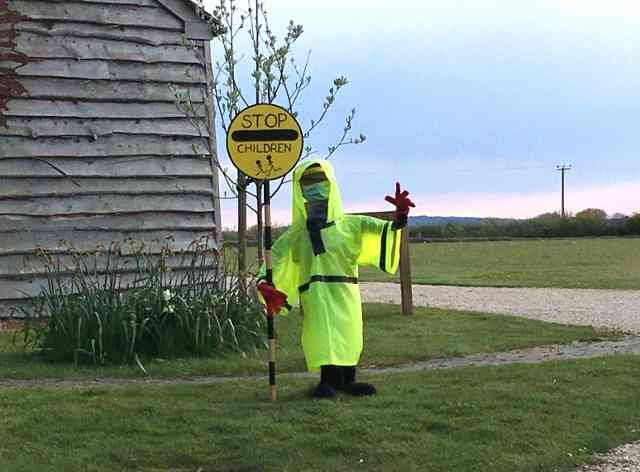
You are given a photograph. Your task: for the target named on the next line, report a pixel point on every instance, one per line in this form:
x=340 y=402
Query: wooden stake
x=405 y=273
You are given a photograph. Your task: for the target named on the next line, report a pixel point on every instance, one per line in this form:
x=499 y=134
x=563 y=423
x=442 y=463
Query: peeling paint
x=10 y=86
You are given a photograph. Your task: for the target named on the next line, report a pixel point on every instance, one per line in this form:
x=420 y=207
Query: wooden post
x=405 y=264
x=271 y=337
x=405 y=274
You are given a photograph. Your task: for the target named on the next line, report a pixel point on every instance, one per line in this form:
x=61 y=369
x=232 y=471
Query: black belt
x=328 y=278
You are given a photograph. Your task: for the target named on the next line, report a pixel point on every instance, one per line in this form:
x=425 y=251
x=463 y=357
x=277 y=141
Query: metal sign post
x=265 y=142
x=271 y=333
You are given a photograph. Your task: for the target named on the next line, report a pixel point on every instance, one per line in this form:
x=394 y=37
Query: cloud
x=614 y=198
x=465 y=109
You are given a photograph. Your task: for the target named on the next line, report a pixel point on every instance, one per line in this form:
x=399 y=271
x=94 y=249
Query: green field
x=515 y=417
x=525 y=418
x=608 y=263
x=390 y=339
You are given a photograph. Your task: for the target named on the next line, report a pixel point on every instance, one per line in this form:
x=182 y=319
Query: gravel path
x=576 y=350
x=619 y=309
x=534 y=355
x=621 y=459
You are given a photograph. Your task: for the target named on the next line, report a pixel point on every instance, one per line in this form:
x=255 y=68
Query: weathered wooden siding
x=94 y=149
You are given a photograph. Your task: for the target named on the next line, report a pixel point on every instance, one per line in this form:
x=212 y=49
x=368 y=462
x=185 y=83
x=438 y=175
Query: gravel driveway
x=618 y=309
x=621 y=459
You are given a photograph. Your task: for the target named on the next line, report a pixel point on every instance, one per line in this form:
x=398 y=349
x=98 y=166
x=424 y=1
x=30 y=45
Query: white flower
x=168 y=296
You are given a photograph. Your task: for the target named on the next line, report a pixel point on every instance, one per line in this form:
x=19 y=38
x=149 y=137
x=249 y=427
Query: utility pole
x=563 y=168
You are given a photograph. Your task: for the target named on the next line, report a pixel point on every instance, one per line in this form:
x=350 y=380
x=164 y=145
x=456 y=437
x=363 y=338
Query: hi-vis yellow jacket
x=326 y=284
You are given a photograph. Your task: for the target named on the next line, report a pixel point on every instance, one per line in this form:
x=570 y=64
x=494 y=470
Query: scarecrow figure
x=315 y=263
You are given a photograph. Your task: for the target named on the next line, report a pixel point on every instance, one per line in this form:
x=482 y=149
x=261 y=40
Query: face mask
x=316 y=192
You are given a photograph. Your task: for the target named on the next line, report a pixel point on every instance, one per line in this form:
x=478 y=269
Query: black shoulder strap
x=316 y=239
x=316 y=236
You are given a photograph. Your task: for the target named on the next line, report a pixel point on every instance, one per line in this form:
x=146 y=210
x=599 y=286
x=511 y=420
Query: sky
x=472 y=104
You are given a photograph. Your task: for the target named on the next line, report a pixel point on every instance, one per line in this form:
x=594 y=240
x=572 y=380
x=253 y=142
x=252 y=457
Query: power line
x=563 y=168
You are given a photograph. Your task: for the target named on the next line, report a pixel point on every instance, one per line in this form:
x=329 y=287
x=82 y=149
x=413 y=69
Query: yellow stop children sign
x=264 y=141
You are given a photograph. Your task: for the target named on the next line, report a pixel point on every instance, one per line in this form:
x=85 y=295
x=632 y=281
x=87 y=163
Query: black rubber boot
x=352 y=387
x=329 y=382
x=323 y=390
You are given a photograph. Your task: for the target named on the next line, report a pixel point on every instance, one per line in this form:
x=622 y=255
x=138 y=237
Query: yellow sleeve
x=379 y=244
x=286 y=267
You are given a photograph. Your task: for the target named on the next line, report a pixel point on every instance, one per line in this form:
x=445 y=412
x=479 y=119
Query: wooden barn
x=93 y=148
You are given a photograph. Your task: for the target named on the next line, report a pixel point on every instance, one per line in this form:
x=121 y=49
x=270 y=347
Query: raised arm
x=403 y=205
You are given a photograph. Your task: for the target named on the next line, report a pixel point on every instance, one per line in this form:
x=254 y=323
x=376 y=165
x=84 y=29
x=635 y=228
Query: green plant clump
x=111 y=306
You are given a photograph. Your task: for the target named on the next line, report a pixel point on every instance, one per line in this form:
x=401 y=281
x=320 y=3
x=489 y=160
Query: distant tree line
x=589 y=222
x=252 y=234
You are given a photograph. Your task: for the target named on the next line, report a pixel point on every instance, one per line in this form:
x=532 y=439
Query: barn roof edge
x=186 y=11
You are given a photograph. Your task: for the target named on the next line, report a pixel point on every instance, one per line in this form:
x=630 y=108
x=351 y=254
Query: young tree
x=275 y=76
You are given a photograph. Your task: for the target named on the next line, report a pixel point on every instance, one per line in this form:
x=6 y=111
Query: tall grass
x=115 y=306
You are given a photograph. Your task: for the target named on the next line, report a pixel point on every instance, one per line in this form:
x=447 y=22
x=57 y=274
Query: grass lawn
x=525 y=418
x=577 y=263
x=390 y=339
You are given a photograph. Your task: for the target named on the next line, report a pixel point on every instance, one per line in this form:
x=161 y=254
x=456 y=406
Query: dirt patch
x=10 y=325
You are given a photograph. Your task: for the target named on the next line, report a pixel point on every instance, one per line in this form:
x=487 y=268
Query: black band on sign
x=243 y=136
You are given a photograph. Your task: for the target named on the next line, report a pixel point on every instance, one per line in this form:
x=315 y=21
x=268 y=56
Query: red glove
x=274 y=298
x=403 y=205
